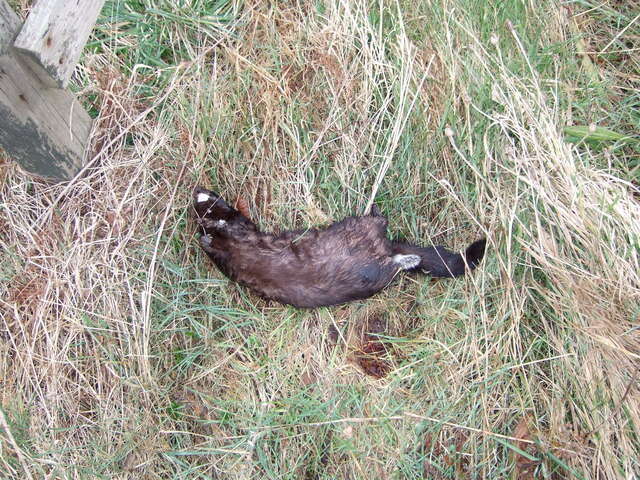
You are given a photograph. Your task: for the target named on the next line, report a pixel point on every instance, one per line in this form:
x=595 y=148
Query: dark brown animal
x=351 y=259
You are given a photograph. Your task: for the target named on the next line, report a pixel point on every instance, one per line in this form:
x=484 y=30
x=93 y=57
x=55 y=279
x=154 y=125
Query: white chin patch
x=202 y=197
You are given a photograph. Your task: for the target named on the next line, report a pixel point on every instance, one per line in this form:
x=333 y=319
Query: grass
x=125 y=354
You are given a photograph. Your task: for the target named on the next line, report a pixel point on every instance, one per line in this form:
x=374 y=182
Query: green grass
x=125 y=354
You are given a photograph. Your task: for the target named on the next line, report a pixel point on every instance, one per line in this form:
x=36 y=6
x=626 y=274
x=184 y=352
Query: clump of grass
x=604 y=89
x=123 y=352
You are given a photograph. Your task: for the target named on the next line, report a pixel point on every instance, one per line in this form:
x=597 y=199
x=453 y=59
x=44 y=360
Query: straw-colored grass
x=125 y=354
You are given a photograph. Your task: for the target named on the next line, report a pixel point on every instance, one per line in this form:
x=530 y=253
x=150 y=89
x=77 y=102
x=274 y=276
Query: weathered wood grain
x=54 y=35
x=9 y=25
x=44 y=129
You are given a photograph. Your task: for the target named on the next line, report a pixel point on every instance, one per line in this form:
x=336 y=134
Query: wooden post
x=8 y=19
x=43 y=128
x=54 y=36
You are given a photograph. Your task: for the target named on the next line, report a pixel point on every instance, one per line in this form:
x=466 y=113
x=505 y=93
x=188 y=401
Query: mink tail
x=439 y=262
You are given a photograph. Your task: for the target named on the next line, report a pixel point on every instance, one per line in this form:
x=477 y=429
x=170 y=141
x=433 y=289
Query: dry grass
x=124 y=354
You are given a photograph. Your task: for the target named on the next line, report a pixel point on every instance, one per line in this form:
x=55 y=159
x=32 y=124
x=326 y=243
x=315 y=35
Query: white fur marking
x=221 y=223
x=406 y=262
x=202 y=197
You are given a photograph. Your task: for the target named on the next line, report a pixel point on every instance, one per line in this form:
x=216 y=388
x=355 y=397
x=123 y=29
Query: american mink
x=349 y=260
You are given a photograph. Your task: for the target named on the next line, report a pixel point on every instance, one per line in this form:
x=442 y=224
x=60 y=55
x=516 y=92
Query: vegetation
x=125 y=354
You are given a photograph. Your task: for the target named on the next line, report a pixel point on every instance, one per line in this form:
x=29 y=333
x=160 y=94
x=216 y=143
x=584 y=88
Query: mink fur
x=349 y=260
